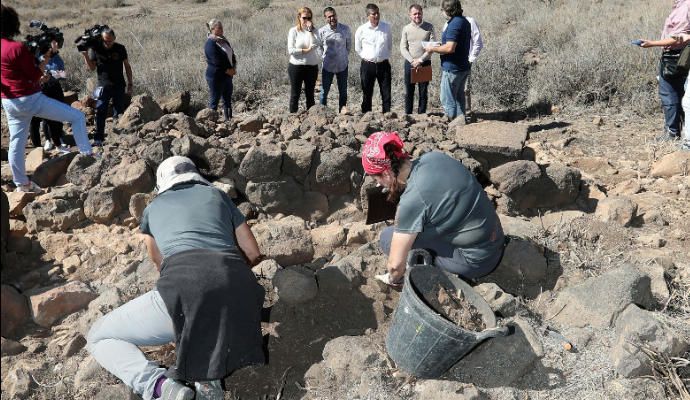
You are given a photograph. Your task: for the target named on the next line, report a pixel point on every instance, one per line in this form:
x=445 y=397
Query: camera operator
x=108 y=57
x=54 y=72
x=20 y=90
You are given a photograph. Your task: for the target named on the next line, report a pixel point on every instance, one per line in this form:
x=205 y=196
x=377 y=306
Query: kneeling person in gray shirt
x=207 y=299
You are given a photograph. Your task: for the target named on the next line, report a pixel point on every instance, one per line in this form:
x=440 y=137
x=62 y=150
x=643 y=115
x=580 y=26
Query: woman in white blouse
x=304 y=58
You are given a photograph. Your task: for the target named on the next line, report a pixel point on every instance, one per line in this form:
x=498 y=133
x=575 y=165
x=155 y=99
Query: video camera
x=90 y=38
x=39 y=44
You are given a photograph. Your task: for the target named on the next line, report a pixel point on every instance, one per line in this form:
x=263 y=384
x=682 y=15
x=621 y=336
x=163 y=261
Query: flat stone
x=53 y=304
x=675 y=163
x=17 y=201
x=295 y=286
x=34 y=159
x=10 y=347
x=493 y=141
x=599 y=300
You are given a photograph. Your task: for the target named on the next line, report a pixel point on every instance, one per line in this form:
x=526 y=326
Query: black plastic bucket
x=422 y=342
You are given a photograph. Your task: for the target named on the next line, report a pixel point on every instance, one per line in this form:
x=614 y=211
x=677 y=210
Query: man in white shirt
x=476 y=45
x=373 y=43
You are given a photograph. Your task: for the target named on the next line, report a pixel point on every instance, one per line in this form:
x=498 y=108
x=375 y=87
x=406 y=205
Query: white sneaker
x=209 y=390
x=64 y=149
x=30 y=187
x=174 y=390
x=48 y=146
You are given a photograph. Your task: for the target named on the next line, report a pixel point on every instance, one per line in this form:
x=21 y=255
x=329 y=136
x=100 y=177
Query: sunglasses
x=306 y=18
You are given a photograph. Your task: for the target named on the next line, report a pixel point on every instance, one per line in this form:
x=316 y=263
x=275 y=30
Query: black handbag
x=670 y=70
x=684 y=59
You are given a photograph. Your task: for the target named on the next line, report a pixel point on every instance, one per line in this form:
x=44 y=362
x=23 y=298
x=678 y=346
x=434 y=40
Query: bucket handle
x=494 y=332
x=415 y=254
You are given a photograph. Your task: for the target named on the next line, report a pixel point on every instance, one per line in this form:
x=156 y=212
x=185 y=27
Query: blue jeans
x=453 y=93
x=685 y=102
x=327 y=80
x=114 y=339
x=19 y=112
x=671 y=92
x=220 y=86
x=117 y=94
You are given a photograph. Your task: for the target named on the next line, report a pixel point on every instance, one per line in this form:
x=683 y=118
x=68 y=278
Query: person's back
x=204 y=218
x=18 y=71
x=454 y=205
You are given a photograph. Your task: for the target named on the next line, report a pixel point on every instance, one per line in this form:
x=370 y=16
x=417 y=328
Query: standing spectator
x=22 y=99
x=413 y=34
x=108 y=59
x=336 y=41
x=303 y=47
x=373 y=43
x=454 y=50
x=55 y=69
x=221 y=63
x=684 y=38
x=671 y=80
x=476 y=46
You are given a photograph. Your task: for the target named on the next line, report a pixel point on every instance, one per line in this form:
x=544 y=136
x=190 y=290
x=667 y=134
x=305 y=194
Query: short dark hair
x=108 y=31
x=416 y=7
x=452 y=8
x=371 y=7
x=328 y=9
x=10 y=22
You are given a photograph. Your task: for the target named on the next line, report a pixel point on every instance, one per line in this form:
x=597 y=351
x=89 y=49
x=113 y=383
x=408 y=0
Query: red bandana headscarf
x=374 y=159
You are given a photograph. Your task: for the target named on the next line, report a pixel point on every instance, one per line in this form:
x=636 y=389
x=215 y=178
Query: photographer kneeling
x=108 y=57
x=22 y=98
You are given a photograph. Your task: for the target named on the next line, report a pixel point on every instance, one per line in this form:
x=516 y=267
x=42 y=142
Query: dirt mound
x=452 y=305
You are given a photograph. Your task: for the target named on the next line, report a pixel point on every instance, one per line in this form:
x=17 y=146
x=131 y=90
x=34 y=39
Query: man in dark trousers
x=373 y=43
x=207 y=299
x=108 y=58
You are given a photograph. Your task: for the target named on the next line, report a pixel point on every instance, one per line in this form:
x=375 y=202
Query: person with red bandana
x=442 y=208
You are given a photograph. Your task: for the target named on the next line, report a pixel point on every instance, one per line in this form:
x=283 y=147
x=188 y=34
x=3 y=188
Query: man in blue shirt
x=454 y=51
x=336 y=40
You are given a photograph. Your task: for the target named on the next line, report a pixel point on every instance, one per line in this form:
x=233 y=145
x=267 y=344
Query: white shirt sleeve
x=477 y=44
x=293 y=50
x=389 y=38
x=358 y=41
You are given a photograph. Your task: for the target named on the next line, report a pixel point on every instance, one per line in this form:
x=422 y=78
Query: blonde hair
x=299 y=16
x=213 y=23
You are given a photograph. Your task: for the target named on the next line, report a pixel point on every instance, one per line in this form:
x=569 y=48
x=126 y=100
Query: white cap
x=174 y=170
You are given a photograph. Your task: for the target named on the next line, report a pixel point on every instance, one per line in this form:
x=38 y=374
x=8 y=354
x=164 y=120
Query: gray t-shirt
x=444 y=199
x=192 y=216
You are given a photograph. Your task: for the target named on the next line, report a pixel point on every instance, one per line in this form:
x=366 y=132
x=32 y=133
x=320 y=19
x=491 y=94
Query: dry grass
x=665 y=370
x=582 y=51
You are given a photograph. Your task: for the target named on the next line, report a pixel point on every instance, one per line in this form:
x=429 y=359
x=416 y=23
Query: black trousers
x=409 y=91
x=54 y=133
x=369 y=73
x=299 y=74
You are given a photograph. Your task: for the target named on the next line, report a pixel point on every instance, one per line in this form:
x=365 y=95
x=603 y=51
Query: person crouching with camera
x=108 y=59
x=22 y=99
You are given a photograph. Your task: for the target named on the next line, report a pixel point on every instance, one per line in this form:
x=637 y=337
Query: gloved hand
x=386 y=278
